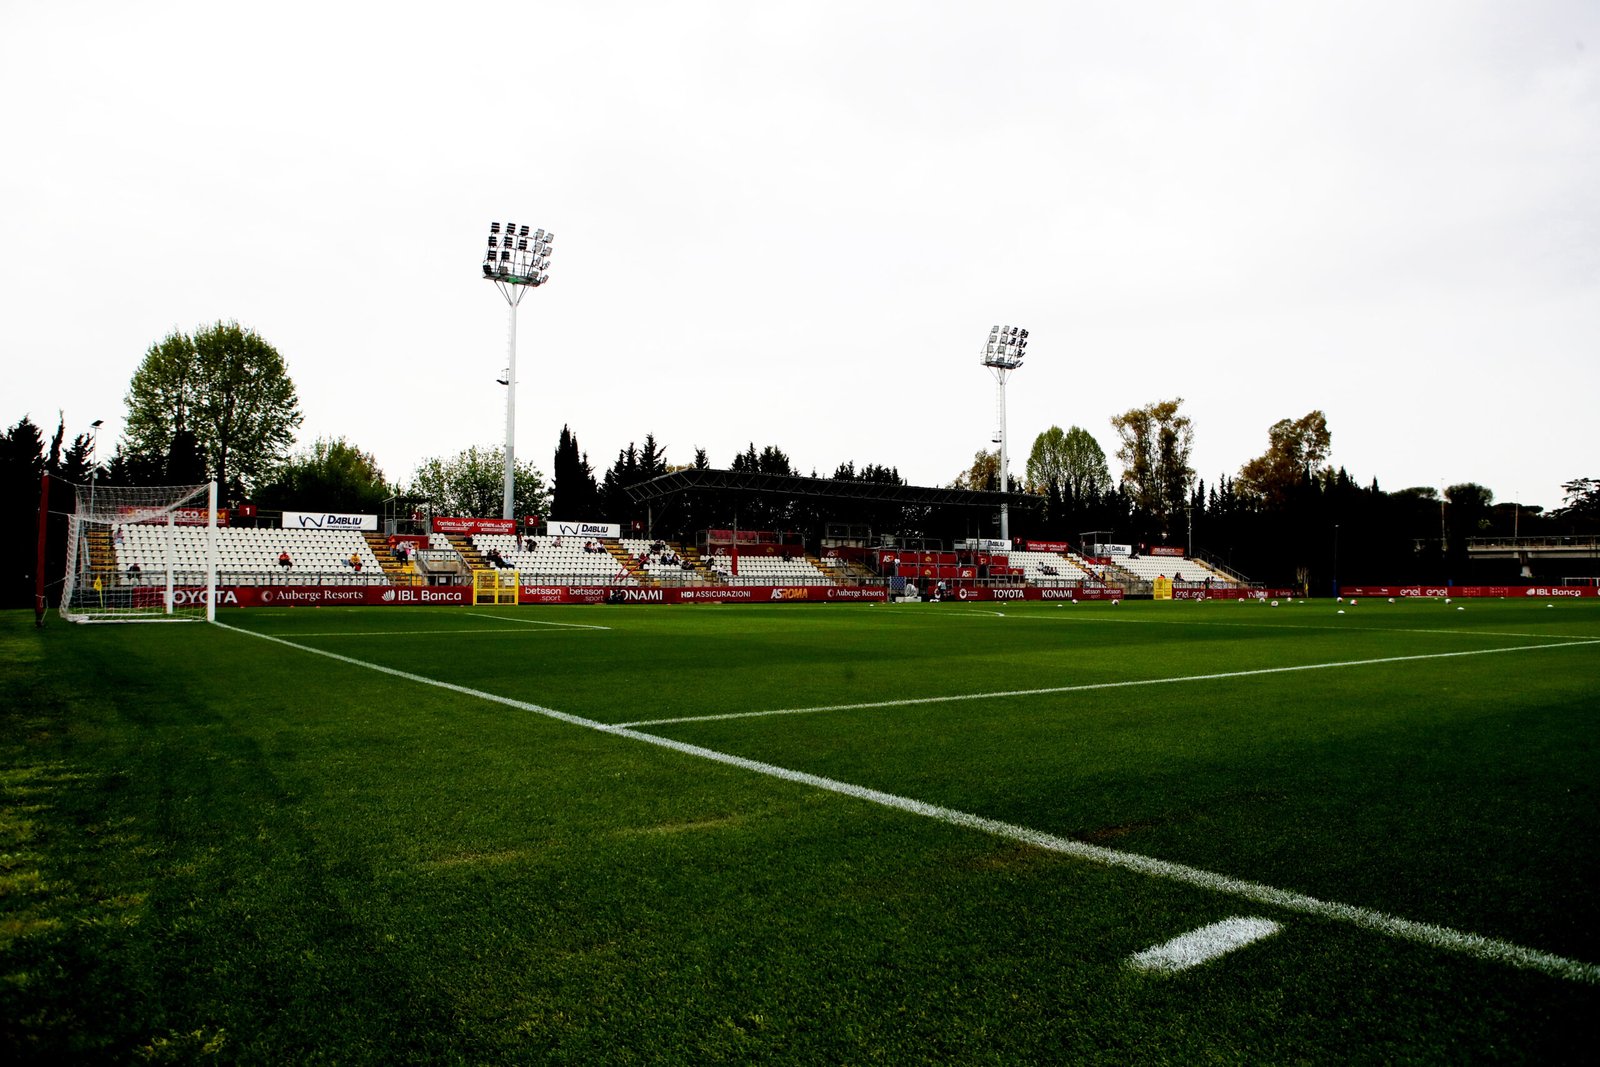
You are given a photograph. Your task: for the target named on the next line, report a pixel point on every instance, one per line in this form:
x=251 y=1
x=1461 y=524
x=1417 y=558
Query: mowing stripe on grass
x=538 y=622
x=909 y=701
x=1202 y=945
x=1441 y=937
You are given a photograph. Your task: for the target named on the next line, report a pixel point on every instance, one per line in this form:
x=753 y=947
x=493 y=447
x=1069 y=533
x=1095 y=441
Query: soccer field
x=1146 y=832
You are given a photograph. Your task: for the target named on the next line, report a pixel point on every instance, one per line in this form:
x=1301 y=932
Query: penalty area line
x=1439 y=937
x=1091 y=686
x=1203 y=945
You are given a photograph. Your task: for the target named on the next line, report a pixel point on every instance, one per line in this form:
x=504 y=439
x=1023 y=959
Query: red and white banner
x=1046 y=546
x=1165 y=550
x=1553 y=592
x=180 y=517
x=473 y=526
x=718 y=594
x=295 y=596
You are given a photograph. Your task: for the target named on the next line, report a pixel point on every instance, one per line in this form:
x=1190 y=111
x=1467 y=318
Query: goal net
x=143 y=554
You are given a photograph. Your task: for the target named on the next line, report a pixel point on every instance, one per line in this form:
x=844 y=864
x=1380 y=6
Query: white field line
x=1202 y=945
x=537 y=622
x=413 y=633
x=1264 y=624
x=997 y=694
x=1440 y=937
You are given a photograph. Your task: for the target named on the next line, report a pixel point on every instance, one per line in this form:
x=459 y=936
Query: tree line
x=219 y=403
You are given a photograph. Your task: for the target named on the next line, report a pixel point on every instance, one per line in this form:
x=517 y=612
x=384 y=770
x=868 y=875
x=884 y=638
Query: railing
x=1576 y=542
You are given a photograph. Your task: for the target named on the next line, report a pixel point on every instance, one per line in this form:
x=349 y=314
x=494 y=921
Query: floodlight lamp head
x=97 y=423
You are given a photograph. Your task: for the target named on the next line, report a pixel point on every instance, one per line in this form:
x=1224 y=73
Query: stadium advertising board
x=1046 y=546
x=180 y=517
x=306 y=520
x=1113 y=550
x=298 y=596
x=1563 y=592
x=721 y=594
x=469 y=526
x=558 y=528
x=1166 y=550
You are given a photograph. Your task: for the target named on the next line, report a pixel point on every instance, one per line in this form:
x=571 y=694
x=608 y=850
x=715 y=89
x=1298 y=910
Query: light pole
x=1335 y=559
x=1002 y=355
x=94 y=460
x=515 y=261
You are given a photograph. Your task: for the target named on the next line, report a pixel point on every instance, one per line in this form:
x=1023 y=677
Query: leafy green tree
x=331 y=475
x=1068 y=465
x=1154 y=453
x=983 y=475
x=1582 y=499
x=228 y=387
x=1297 y=451
x=472 y=482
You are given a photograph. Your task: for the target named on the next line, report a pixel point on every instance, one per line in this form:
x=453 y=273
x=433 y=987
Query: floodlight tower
x=1002 y=355
x=515 y=261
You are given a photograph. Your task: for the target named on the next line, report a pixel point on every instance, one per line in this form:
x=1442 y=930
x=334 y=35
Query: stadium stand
x=249 y=556
x=566 y=562
x=769 y=570
x=1048 y=568
x=1148 y=568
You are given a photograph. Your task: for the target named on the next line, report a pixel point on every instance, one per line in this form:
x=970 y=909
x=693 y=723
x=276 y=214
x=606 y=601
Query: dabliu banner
x=305 y=520
x=557 y=528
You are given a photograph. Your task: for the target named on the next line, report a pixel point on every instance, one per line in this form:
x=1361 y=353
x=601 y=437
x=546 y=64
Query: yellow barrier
x=495 y=587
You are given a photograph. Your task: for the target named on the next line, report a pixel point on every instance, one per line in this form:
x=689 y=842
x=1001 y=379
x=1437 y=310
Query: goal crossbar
x=141 y=554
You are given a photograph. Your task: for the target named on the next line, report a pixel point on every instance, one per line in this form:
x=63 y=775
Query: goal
x=145 y=554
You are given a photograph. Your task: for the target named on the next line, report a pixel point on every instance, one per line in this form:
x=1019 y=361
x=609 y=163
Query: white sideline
x=1202 y=945
x=1441 y=937
x=910 y=701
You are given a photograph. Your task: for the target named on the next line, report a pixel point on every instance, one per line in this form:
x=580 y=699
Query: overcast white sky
x=794 y=223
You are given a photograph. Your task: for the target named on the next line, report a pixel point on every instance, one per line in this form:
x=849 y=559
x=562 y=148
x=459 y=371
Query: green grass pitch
x=473 y=836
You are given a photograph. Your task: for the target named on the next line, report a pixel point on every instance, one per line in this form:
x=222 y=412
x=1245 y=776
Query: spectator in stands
x=117 y=536
x=355 y=561
x=493 y=556
x=533 y=546
x=133 y=570
x=284 y=561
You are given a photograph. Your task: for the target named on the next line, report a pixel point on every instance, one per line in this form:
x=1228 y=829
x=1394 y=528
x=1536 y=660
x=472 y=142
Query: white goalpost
x=146 y=554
